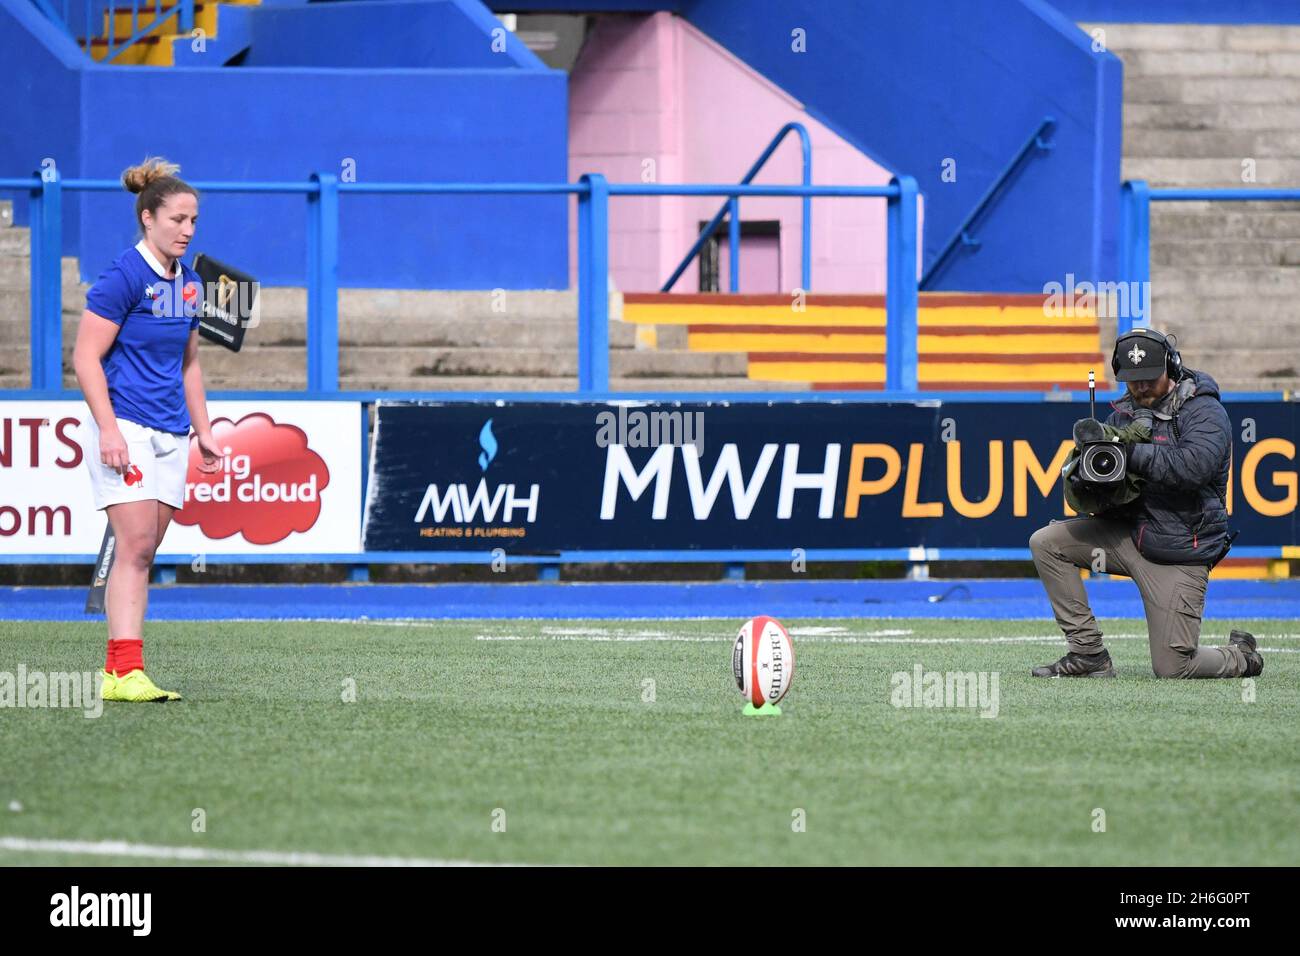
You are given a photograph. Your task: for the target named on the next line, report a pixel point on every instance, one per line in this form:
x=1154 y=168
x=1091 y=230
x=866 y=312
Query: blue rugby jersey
x=156 y=316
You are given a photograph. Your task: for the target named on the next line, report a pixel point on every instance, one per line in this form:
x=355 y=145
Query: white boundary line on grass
x=810 y=639
x=191 y=854
x=869 y=638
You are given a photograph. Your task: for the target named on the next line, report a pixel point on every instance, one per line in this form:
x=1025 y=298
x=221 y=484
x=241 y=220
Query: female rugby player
x=137 y=362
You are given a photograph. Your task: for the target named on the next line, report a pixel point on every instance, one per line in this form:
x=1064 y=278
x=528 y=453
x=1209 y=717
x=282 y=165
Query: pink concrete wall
x=653 y=99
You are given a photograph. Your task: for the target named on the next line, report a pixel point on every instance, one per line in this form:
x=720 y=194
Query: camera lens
x=1102 y=462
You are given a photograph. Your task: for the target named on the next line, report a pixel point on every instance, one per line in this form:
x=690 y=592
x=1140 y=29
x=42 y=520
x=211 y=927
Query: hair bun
x=137 y=178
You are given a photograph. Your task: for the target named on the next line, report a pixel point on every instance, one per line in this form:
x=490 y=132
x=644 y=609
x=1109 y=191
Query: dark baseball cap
x=1140 y=357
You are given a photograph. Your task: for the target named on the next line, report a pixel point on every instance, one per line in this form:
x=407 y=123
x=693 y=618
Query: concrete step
x=73 y=297
x=1201 y=63
x=669 y=384
x=1226 y=172
x=280 y=303
x=1211 y=144
x=255 y=364
x=15 y=306
x=424 y=304
x=443 y=332
x=16 y=303
x=15 y=271
x=15 y=241
x=1258 y=319
x=570 y=384
x=1210 y=116
x=442 y=361
x=1232 y=281
x=1218 y=253
x=1259 y=384
x=490 y=383
x=251 y=367
x=678 y=364
x=1226 y=331
x=1234 y=222
x=15 y=326
x=1249 y=363
x=460 y=383
x=1121 y=38
x=1212 y=89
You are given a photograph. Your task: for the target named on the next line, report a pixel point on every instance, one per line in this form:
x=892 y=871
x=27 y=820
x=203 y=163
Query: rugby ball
x=762 y=661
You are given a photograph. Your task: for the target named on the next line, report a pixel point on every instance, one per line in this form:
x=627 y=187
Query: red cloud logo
x=269 y=485
x=134 y=476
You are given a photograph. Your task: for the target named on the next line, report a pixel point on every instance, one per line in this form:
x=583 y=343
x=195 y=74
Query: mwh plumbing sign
x=535 y=478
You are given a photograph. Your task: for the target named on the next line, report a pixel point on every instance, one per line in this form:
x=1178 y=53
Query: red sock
x=126 y=654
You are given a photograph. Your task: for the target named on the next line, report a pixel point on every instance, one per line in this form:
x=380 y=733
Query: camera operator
x=1168 y=537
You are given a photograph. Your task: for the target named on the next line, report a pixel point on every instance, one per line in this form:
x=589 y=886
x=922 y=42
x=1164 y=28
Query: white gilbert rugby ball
x=763 y=661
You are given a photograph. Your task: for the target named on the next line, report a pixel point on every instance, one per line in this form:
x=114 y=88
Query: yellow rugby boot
x=136 y=687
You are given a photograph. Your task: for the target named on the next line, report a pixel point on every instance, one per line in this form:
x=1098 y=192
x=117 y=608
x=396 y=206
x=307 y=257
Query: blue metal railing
x=1135 y=230
x=100 y=20
x=731 y=210
x=962 y=235
x=322 y=192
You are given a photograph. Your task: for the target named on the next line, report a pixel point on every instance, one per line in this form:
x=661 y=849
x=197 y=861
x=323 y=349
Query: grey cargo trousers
x=1174 y=596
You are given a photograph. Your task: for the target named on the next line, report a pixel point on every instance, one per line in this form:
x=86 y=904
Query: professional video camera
x=1101 y=461
x=1096 y=474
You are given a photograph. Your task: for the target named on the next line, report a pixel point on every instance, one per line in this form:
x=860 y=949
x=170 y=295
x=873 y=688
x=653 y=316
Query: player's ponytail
x=153 y=181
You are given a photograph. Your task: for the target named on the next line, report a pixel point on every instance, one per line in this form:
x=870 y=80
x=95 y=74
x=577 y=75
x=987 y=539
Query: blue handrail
x=1135 y=230
x=53 y=15
x=962 y=234
x=322 y=193
x=181 y=10
x=731 y=209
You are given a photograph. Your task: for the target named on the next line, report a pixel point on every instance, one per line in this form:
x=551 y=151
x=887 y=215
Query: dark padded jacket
x=1180 y=518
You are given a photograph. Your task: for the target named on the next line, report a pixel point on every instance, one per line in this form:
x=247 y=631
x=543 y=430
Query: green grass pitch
x=598 y=742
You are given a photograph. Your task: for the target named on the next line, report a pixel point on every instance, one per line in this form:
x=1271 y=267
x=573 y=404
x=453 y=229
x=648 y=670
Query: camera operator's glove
x=1087 y=430
x=1139 y=430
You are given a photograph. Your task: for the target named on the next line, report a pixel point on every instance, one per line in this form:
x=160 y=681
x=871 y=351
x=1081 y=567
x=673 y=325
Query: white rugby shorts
x=159 y=462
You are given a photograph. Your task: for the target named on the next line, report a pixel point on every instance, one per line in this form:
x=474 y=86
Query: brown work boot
x=1078 y=665
x=1245 y=642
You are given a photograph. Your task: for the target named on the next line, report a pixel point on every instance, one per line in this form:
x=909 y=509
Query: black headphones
x=1173 y=359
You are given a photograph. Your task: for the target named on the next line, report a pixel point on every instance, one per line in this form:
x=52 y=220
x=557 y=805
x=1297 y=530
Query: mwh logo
x=481 y=504
x=488 y=442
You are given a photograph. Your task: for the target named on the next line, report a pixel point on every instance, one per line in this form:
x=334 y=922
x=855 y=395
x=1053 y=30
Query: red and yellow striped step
x=986 y=341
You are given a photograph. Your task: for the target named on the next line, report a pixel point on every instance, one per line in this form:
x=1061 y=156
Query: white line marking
x=606 y=638
x=870 y=637
x=815 y=639
x=200 y=855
